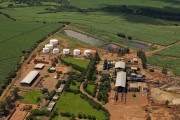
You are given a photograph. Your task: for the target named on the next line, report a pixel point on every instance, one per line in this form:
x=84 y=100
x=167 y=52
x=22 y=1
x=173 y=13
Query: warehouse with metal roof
x=30 y=78
x=121 y=79
x=120 y=64
x=39 y=66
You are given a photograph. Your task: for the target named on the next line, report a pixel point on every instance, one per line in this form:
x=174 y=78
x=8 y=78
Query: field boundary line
x=21 y=34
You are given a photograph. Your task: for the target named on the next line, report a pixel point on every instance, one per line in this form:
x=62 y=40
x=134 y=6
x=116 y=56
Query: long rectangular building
x=120 y=64
x=30 y=77
x=121 y=79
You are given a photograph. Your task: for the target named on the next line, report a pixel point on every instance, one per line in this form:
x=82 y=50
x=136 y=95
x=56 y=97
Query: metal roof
x=121 y=79
x=39 y=66
x=30 y=76
x=120 y=64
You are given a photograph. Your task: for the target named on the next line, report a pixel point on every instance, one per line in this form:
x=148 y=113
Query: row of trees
x=104 y=89
x=141 y=54
x=80 y=116
x=122 y=35
x=95 y=105
x=91 y=71
x=8 y=104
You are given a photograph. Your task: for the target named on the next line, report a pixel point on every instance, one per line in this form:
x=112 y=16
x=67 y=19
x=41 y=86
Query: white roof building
x=39 y=66
x=121 y=79
x=120 y=64
x=30 y=77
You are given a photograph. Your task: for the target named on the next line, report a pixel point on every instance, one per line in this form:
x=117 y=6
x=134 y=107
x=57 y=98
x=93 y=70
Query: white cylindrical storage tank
x=77 y=52
x=50 y=46
x=87 y=52
x=45 y=50
x=66 y=51
x=54 y=41
x=56 y=50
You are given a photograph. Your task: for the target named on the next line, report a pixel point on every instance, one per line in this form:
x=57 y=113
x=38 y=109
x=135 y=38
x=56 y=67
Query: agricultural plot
x=107 y=25
x=69 y=102
x=172 y=63
x=161 y=4
x=173 y=51
x=18 y=36
x=79 y=62
x=31 y=97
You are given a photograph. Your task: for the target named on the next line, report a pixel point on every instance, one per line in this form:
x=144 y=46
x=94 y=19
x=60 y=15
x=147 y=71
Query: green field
x=79 y=62
x=173 y=51
x=107 y=25
x=166 y=5
x=166 y=62
x=90 y=88
x=18 y=36
x=69 y=102
x=31 y=97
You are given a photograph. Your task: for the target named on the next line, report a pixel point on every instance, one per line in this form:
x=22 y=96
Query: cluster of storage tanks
x=53 y=42
x=50 y=46
x=77 y=52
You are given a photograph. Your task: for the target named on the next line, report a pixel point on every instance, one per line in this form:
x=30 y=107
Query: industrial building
x=120 y=65
x=30 y=78
x=121 y=79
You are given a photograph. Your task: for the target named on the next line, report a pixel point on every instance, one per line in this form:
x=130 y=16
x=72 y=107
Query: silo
x=87 y=52
x=50 y=46
x=77 y=52
x=54 y=41
x=46 y=50
x=56 y=50
x=66 y=51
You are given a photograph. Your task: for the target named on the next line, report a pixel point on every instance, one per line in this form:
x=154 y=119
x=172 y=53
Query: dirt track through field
x=150 y=53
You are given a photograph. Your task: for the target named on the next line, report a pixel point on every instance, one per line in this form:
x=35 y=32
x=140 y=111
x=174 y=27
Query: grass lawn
x=91 y=88
x=75 y=87
x=79 y=62
x=173 y=51
x=61 y=118
x=69 y=102
x=31 y=97
x=171 y=63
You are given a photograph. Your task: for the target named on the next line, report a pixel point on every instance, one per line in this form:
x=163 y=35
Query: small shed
x=135 y=60
x=133 y=87
x=55 y=97
x=134 y=68
x=51 y=105
x=39 y=66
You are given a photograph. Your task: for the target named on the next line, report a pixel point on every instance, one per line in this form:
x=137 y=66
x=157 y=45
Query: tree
x=30 y=117
x=127 y=50
x=105 y=66
x=3 y=110
x=44 y=90
x=9 y=102
x=167 y=103
x=129 y=37
x=121 y=35
x=15 y=93
x=164 y=71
